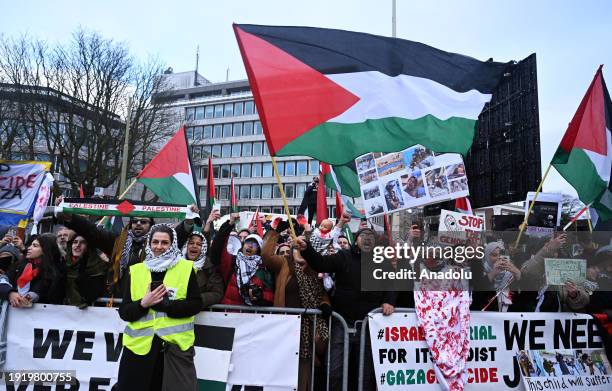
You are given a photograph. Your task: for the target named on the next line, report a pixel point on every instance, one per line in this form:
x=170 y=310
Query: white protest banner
x=545 y=215
x=459 y=228
x=114 y=207
x=19 y=184
x=410 y=178
x=401 y=356
x=231 y=348
x=564 y=369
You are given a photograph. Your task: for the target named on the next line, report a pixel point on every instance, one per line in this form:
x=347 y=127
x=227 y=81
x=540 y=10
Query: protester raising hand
x=234 y=217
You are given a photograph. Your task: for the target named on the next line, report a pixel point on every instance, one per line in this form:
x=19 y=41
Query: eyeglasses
x=140 y=221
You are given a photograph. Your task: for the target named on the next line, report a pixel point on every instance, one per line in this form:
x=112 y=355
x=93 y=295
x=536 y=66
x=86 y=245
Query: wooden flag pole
x=589 y=220
x=282 y=191
x=127 y=189
x=539 y=189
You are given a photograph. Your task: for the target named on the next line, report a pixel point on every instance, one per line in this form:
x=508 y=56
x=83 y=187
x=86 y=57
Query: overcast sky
x=571 y=38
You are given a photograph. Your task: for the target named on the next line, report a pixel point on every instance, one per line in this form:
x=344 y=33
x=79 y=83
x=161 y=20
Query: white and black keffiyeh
x=166 y=260
x=127 y=248
x=320 y=244
x=246 y=268
x=199 y=262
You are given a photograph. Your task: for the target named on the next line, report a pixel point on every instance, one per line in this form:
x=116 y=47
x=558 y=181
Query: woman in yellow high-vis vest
x=160 y=300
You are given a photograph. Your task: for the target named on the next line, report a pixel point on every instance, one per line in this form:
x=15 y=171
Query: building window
x=216 y=171
x=229 y=110
x=248 y=107
x=225 y=171
x=224 y=193
x=302 y=167
x=236 y=150
x=189 y=113
x=226 y=150
x=199 y=113
x=206 y=151
x=266 y=192
x=196 y=152
x=218 y=111
x=207 y=134
x=300 y=189
x=245 y=192
x=188 y=133
x=204 y=172
x=281 y=168
x=246 y=170
x=276 y=191
x=247 y=129
x=197 y=133
x=257 y=148
x=290 y=168
x=277 y=210
x=238 y=108
x=256 y=170
x=236 y=170
x=237 y=129
x=328 y=192
x=202 y=192
x=257 y=128
x=267 y=170
x=314 y=167
x=265 y=151
x=227 y=130
x=247 y=149
x=290 y=190
x=209 y=112
x=256 y=191
x=266 y=210
x=217 y=131
x=216 y=151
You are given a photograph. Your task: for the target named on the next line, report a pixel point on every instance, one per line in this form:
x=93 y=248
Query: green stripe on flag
x=210 y=385
x=169 y=189
x=339 y=143
x=578 y=169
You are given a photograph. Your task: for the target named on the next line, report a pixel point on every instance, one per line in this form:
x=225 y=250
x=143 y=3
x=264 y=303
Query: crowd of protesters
x=319 y=268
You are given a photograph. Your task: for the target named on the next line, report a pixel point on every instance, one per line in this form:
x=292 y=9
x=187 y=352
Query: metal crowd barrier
x=290 y=311
x=362 y=341
x=4 y=305
x=303 y=312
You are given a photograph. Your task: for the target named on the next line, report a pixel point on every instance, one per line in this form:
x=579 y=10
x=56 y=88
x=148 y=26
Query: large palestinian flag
x=335 y=95
x=169 y=174
x=584 y=156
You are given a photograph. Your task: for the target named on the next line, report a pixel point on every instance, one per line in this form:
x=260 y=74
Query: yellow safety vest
x=138 y=335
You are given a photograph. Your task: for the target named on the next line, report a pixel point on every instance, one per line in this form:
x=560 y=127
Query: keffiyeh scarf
x=320 y=244
x=246 y=268
x=127 y=248
x=163 y=261
x=198 y=263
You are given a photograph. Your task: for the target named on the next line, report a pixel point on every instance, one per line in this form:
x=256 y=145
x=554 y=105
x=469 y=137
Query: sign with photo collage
x=410 y=178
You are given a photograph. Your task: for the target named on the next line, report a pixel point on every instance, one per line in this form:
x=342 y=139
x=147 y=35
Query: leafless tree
x=70 y=101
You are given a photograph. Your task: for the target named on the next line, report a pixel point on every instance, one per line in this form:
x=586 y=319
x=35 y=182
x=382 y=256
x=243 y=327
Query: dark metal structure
x=504 y=161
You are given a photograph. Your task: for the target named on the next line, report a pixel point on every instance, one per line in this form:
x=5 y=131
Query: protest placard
x=413 y=177
x=559 y=271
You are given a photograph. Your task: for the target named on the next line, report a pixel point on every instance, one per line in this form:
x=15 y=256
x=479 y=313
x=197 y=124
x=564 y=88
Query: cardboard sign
x=558 y=271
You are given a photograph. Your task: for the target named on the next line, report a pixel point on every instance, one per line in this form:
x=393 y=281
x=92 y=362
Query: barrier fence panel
x=305 y=312
x=4 y=305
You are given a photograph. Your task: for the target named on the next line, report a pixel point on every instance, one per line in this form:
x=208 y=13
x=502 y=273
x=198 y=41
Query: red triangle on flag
x=283 y=84
x=170 y=160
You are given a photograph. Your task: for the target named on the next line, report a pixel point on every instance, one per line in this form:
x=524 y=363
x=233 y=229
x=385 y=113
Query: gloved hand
x=281 y=226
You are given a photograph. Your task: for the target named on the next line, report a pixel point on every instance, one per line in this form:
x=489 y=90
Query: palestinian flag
x=213 y=349
x=463 y=205
x=584 y=156
x=210 y=191
x=335 y=95
x=321 y=213
x=123 y=208
x=233 y=199
x=169 y=174
x=341 y=178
